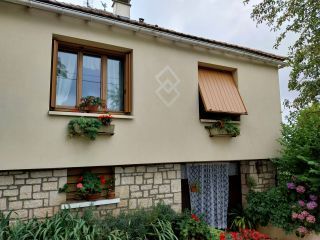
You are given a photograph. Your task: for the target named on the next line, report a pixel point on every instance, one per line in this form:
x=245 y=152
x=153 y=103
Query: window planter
x=223 y=128
x=92 y=197
x=107 y=130
x=216 y=132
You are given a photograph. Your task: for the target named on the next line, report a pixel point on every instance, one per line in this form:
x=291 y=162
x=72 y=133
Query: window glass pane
x=91 y=80
x=115 y=85
x=66 y=89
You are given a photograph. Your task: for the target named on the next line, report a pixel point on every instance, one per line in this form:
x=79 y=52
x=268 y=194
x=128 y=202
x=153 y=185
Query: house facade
x=164 y=89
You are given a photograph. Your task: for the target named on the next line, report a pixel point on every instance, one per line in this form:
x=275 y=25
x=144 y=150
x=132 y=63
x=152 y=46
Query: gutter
x=129 y=26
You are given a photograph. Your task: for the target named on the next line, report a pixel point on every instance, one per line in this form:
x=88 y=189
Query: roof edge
x=111 y=19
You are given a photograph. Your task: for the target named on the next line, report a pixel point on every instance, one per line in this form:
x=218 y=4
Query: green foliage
x=272 y=206
x=239 y=220
x=157 y=223
x=141 y=224
x=226 y=126
x=64 y=189
x=91 y=183
x=162 y=231
x=88 y=127
x=192 y=228
x=90 y=101
x=232 y=128
x=63 y=225
x=251 y=182
x=302 y=19
x=301 y=147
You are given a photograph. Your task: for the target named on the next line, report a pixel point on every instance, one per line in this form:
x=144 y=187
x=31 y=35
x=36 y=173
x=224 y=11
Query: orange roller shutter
x=219 y=92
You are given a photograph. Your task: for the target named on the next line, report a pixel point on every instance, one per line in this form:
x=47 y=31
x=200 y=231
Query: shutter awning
x=219 y=92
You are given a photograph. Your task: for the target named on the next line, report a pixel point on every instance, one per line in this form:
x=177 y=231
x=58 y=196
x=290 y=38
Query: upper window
x=219 y=95
x=80 y=71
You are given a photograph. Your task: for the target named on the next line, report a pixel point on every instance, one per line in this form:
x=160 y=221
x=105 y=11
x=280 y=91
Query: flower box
x=216 y=132
x=107 y=130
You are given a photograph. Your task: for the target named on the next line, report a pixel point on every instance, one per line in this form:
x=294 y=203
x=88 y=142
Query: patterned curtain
x=209 y=192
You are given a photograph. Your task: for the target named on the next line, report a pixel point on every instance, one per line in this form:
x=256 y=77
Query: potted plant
x=195 y=187
x=89 y=186
x=88 y=127
x=90 y=104
x=111 y=194
x=107 y=127
x=223 y=128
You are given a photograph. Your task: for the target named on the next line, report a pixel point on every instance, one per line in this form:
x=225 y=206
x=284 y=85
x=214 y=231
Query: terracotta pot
x=93 y=108
x=111 y=194
x=193 y=188
x=93 y=196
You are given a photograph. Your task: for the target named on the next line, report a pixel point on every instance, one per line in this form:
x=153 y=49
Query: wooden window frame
x=104 y=54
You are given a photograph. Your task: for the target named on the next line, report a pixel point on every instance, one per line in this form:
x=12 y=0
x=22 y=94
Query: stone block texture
x=262 y=172
x=31 y=193
x=145 y=186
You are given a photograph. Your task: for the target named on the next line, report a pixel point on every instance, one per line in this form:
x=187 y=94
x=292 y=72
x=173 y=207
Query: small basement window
x=219 y=97
x=75 y=174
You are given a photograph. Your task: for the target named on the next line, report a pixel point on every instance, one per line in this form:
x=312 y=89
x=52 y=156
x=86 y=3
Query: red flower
x=195 y=217
x=79 y=185
x=102 y=180
x=80 y=179
x=222 y=236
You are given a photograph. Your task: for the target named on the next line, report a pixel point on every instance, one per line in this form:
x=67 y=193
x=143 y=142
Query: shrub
x=301 y=147
x=157 y=223
x=189 y=226
x=271 y=206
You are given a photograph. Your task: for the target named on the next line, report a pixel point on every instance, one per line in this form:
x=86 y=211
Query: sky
x=227 y=21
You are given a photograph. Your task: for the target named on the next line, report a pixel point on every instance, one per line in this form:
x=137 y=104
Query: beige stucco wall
x=30 y=138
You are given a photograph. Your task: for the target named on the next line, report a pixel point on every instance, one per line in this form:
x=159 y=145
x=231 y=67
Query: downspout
x=132 y=27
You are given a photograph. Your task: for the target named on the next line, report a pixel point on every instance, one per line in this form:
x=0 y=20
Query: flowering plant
x=89 y=183
x=304 y=208
x=105 y=119
x=90 y=101
x=245 y=234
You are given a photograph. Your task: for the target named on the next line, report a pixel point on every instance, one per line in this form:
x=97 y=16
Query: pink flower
x=305 y=213
x=291 y=185
x=300 y=189
x=311 y=219
x=294 y=215
x=302 y=230
x=79 y=185
x=313 y=197
x=312 y=205
x=301 y=203
x=301 y=216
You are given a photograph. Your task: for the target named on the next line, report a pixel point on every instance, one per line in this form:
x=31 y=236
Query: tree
x=301 y=17
x=301 y=147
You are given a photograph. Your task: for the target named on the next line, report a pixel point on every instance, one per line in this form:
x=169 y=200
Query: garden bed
x=278 y=234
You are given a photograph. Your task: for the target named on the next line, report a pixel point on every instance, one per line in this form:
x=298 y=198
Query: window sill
x=214 y=121
x=90 y=203
x=80 y=114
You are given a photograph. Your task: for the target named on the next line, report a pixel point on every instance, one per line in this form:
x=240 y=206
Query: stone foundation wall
x=262 y=172
x=32 y=193
x=145 y=186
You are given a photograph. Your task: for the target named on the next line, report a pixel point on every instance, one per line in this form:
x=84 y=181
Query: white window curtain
x=211 y=199
x=66 y=79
